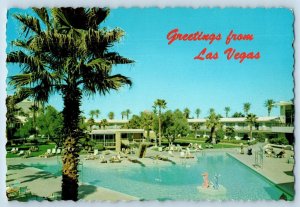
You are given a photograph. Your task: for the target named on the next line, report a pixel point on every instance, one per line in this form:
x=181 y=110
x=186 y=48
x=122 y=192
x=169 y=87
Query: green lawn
x=42 y=150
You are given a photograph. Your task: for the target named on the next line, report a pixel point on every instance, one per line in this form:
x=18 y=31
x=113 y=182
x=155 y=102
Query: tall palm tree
x=65 y=50
x=160 y=104
x=247 y=108
x=213 y=122
x=251 y=119
x=269 y=104
x=111 y=115
x=123 y=114
x=97 y=113
x=186 y=112
x=196 y=126
x=212 y=110
x=227 y=109
x=198 y=112
x=92 y=114
x=127 y=112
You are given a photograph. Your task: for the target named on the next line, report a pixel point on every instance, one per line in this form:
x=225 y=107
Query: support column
x=118 y=141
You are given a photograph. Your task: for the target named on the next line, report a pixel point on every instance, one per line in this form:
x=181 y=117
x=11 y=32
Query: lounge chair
x=53 y=151
x=27 y=154
x=115 y=159
x=21 y=153
x=182 y=154
x=58 y=151
x=170 y=153
x=13 y=150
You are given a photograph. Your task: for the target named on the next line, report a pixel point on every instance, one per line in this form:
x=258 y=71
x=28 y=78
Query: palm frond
x=43 y=15
x=29 y=23
x=115 y=58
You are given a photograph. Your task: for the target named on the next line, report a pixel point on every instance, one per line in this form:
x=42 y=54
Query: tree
x=160 y=104
x=229 y=131
x=238 y=114
x=251 y=119
x=103 y=123
x=269 y=104
x=247 y=108
x=197 y=112
x=91 y=123
x=213 y=123
x=196 y=127
x=64 y=50
x=127 y=112
x=111 y=115
x=227 y=109
x=11 y=115
x=95 y=113
x=147 y=119
x=123 y=114
x=211 y=111
x=34 y=108
x=186 y=112
x=50 y=124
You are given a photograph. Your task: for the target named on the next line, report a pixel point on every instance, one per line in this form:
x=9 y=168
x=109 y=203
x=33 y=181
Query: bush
x=281 y=139
x=99 y=147
x=260 y=137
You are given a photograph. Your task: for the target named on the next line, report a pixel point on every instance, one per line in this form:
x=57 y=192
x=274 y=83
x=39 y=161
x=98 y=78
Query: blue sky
x=170 y=72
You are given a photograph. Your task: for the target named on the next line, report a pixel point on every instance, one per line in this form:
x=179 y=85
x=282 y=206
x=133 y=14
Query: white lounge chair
x=170 y=153
x=182 y=154
x=58 y=151
x=21 y=153
x=53 y=151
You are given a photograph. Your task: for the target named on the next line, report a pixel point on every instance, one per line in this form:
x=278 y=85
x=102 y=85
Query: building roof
x=113 y=131
x=284 y=103
x=237 y=119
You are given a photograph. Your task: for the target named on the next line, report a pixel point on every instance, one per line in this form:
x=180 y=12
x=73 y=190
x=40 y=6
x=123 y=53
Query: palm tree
x=186 y=112
x=127 y=112
x=196 y=126
x=247 y=108
x=161 y=104
x=103 y=123
x=251 y=120
x=197 y=112
x=227 y=109
x=111 y=115
x=64 y=50
x=211 y=110
x=123 y=114
x=97 y=113
x=92 y=114
x=269 y=104
x=34 y=108
x=91 y=123
x=213 y=122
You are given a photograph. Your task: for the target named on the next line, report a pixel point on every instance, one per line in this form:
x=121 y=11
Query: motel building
x=271 y=126
x=115 y=138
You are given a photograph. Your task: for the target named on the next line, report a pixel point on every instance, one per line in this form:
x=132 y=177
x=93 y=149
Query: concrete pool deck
x=43 y=184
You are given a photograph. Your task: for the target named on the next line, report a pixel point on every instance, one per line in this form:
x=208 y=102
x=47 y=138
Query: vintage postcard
x=132 y=104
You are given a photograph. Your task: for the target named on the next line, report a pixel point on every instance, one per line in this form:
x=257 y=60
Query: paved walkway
x=43 y=184
x=277 y=170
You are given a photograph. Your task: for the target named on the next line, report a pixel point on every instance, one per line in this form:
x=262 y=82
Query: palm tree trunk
x=159 y=131
x=250 y=132
x=71 y=114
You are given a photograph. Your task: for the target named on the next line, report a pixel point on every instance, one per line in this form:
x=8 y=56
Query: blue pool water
x=180 y=181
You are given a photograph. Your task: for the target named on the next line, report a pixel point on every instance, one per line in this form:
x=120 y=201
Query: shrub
x=99 y=147
x=260 y=137
x=281 y=139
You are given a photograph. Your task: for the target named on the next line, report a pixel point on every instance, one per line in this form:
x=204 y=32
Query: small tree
x=197 y=112
x=227 y=109
x=251 y=120
x=111 y=115
x=213 y=123
x=247 y=108
x=269 y=104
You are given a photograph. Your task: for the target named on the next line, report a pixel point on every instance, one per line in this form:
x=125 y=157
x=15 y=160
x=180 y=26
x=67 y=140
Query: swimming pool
x=180 y=181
